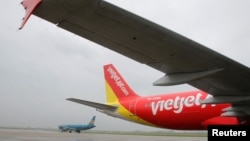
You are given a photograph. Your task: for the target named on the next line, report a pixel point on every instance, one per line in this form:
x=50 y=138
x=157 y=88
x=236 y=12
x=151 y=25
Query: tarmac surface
x=44 y=135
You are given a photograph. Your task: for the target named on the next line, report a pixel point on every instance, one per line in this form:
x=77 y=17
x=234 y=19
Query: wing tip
x=29 y=6
x=70 y=99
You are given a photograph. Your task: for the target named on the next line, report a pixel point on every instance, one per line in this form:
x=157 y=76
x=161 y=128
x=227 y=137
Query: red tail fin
x=116 y=86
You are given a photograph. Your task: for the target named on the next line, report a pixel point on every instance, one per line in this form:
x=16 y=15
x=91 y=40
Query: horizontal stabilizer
x=181 y=78
x=94 y=104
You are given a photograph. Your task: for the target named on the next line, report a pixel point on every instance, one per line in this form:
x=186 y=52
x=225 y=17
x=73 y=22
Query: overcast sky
x=42 y=65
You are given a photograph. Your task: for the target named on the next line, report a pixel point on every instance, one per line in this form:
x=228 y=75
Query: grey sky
x=42 y=65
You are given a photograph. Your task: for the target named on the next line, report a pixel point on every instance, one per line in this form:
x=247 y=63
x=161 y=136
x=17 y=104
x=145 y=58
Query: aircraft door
x=132 y=107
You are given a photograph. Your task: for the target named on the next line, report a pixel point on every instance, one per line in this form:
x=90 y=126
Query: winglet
x=29 y=6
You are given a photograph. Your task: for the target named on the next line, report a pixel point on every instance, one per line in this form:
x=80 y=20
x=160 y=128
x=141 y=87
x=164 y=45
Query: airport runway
x=43 y=135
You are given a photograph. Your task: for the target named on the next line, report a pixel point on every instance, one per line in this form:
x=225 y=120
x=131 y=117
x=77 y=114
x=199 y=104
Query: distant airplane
x=219 y=79
x=77 y=127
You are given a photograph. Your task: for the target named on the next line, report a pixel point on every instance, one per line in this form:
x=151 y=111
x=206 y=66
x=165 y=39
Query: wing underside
x=181 y=59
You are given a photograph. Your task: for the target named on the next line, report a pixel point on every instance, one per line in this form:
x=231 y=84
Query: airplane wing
x=181 y=59
x=94 y=104
x=67 y=128
x=64 y=128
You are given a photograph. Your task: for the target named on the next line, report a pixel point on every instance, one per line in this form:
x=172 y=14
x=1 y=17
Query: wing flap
x=93 y=104
x=240 y=114
x=180 y=78
x=238 y=109
x=225 y=99
x=240 y=106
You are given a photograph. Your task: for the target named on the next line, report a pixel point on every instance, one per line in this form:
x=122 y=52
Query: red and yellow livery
x=179 y=111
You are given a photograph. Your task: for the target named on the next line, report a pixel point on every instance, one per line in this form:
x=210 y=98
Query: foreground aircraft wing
x=181 y=59
x=98 y=106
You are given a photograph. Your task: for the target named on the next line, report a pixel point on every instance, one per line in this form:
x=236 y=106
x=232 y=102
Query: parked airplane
x=181 y=59
x=77 y=127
